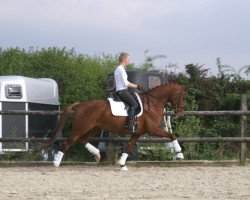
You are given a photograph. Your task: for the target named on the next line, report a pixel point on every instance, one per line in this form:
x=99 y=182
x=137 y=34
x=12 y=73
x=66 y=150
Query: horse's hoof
x=56 y=164
x=179 y=156
x=124 y=168
x=98 y=157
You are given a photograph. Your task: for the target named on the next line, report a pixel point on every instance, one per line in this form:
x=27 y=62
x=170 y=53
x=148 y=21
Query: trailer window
x=13 y=91
x=153 y=81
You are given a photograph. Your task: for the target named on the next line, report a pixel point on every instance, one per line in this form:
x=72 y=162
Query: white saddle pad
x=118 y=108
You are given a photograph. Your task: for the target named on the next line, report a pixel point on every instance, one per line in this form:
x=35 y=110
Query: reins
x=147 y=94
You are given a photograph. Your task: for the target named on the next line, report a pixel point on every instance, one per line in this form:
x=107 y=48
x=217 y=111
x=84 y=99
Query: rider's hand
x=140 y=88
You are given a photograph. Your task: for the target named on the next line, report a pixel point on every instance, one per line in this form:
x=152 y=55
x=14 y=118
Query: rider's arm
x=132 y=85
x=124 y=78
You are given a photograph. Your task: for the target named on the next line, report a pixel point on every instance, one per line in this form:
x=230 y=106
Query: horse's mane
x=155 y=88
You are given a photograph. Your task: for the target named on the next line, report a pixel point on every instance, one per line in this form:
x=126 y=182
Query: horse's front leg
x=134 y=138
x=175 y=144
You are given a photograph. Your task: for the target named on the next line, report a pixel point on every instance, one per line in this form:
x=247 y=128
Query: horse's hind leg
x=70 y=141
x=84 y=140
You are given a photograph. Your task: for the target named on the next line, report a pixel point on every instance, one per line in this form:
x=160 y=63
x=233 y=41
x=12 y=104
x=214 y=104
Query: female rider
x=122 y=85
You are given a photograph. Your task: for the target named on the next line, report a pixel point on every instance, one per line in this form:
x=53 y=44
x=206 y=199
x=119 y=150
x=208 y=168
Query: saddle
x=119 y=108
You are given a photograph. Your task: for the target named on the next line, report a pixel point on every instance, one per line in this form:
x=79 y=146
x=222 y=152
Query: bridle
x=176 y=105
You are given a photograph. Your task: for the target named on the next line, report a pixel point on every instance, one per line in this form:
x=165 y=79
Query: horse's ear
x=186 y=88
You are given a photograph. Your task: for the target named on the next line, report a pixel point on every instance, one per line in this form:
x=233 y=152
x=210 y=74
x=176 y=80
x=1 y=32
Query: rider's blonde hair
x=122 y=56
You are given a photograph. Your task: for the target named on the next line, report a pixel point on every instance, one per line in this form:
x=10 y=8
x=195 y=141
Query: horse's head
x=178 y=100
x=172 y=93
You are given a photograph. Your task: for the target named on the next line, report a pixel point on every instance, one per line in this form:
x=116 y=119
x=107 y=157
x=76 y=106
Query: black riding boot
x=131 y=120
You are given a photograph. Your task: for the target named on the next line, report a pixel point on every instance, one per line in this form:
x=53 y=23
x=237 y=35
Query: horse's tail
x=60 y=124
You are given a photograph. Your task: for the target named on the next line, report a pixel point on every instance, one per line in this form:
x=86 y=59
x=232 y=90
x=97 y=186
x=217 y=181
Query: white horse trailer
x=26 y=94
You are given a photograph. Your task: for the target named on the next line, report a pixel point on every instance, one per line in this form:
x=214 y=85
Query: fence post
x=243 y=130
x=111 y=151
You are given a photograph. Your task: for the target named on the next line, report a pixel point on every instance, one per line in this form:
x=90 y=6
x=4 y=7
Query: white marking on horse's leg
x=94 y=151
x=176 y=146
x=179 y=156
x=57 y=158
x=123 y=159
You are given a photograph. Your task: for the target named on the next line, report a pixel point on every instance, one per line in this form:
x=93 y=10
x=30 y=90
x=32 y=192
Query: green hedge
x=79 y=77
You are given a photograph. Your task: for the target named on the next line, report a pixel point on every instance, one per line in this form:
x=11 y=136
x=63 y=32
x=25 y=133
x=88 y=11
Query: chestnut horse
x=91 y=117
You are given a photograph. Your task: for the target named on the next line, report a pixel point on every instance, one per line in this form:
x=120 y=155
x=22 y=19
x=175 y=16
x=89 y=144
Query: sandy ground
x=103 y=182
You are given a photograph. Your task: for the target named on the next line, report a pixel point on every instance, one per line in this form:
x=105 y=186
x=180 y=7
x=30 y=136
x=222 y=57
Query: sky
x=185 y=31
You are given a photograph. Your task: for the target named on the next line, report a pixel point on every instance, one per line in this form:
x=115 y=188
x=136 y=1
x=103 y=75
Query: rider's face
x=126 y=61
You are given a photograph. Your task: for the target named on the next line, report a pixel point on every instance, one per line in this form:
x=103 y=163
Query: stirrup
x=130 y=129
x=131 y=124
